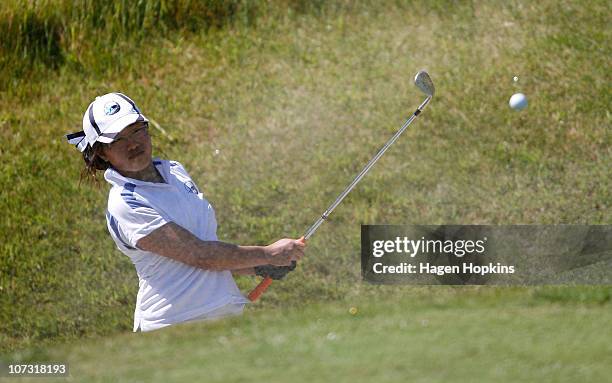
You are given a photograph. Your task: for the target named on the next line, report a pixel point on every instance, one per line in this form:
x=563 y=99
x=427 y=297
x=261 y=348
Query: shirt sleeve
x=181 y=169
x=134 y=217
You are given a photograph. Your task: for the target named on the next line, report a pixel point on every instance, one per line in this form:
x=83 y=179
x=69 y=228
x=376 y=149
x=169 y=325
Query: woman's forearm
x=248 y=271
x=173 y=241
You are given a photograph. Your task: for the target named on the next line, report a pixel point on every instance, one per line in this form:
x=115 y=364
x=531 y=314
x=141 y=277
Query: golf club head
x=424 y=83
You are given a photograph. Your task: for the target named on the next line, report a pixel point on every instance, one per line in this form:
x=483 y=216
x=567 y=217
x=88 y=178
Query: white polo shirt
x=169 y=291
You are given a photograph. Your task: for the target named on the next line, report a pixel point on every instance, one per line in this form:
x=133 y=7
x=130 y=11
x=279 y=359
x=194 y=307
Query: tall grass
x=51 y=33
x=42 y=35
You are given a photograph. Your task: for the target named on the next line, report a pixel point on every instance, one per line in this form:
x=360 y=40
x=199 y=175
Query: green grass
x=296 y=102
x=51 y=34
x=422 y=335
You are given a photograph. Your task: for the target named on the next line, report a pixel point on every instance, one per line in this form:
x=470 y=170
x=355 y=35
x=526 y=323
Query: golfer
x=160 y=219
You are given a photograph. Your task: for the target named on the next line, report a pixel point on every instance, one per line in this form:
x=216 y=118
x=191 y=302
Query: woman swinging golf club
x=158 y=217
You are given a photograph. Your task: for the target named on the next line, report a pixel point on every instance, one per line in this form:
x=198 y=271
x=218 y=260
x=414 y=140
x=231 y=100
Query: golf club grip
x=263 y=285
x=260 y=289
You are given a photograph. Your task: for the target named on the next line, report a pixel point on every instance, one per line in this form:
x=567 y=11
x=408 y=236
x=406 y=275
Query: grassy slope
x=295 y=108
x=429 y=335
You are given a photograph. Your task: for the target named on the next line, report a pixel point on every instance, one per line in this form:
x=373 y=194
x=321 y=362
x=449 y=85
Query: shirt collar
x=115 y=178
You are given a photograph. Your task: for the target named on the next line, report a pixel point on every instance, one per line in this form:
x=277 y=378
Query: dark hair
x=93 y=163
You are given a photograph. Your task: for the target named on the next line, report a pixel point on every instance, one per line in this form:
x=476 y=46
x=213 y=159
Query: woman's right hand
x=284 y=251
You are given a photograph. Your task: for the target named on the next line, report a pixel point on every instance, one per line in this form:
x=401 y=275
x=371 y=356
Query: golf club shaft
x=363 y=172
x=267 y=281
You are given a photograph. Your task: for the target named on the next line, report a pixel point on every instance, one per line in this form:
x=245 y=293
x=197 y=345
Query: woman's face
x=131 y=150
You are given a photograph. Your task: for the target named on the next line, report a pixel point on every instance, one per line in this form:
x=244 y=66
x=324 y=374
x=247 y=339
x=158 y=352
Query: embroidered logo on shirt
x=191 y=187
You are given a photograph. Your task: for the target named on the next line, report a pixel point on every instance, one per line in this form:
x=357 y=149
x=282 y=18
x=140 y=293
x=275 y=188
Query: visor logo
x=111 y=108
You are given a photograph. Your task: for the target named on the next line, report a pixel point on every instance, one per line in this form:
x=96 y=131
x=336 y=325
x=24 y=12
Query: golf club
x=424 y=83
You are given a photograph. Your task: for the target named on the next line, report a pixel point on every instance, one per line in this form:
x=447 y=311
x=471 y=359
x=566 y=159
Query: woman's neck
x=148 y=174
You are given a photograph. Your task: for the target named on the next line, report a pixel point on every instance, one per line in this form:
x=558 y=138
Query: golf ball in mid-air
x=518 y=101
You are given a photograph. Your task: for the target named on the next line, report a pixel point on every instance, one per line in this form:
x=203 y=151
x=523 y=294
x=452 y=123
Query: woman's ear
x=102 y=153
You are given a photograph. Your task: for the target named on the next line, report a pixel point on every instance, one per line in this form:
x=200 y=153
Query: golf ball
x=353 y=310
x=518 y=101
x=515 y=78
